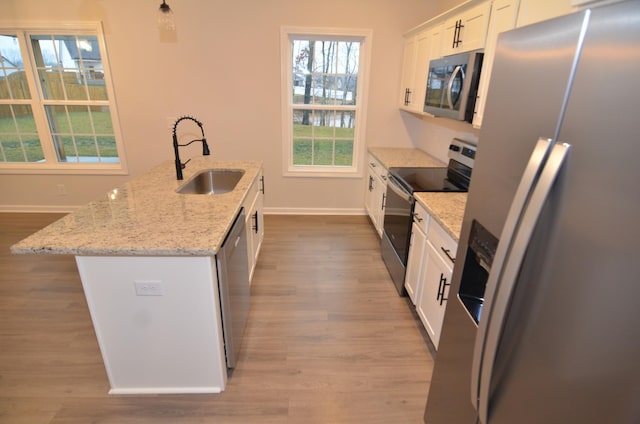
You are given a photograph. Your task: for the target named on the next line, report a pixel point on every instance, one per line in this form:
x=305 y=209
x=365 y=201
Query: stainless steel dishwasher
x=233 y=282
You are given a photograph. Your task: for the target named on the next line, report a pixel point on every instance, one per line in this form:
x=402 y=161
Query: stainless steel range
x=399 y=202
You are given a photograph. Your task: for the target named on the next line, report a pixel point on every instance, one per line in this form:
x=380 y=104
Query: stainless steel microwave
x=452 y=86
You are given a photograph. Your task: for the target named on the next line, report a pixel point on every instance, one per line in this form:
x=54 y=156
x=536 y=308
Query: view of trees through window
x=324 y=82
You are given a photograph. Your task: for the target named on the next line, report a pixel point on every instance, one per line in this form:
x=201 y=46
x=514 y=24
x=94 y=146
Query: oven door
x=398 y=211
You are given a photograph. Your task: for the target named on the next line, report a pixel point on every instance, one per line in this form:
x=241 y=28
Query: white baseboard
x=164 y=390
x=314 y=211
x=39 y=208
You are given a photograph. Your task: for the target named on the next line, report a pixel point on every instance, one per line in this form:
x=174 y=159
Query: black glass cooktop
x=426 y=179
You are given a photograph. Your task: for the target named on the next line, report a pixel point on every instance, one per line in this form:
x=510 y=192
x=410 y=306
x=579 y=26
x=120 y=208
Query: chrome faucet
x=205 y=147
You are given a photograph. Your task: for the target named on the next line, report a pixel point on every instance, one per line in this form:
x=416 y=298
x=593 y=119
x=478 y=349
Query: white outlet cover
x=148 y=288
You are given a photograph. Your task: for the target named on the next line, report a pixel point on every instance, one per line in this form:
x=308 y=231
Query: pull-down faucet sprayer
x=205 y=147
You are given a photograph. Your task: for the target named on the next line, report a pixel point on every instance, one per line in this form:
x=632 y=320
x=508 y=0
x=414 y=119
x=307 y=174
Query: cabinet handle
x=370 y=183
x=262 y=184
x=442 y=285
x=456 y=34
x=448 y=253
x=384 y=198
x=255 y=222
x=417 y=217
x=384 y=177
x=373 y=164
x=407 y=96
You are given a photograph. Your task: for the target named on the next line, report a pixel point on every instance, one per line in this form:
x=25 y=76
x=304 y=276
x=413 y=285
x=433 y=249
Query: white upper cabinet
x=467 y=30
x=532 y=11
x=408 y=70
x=414 y=71
x=503 y=18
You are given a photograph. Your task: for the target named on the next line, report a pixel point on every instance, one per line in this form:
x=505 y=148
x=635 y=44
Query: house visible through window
x=323 y=100
x=55 y=107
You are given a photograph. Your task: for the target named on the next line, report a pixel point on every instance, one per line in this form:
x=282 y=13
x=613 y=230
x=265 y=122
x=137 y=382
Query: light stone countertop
x=147 y=217
x=446 y=208
x=391 y=157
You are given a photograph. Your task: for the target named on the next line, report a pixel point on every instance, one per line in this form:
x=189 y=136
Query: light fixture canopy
x=165 y=17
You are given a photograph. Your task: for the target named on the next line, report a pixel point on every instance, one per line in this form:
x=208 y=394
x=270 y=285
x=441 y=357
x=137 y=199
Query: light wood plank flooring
x=328 y=338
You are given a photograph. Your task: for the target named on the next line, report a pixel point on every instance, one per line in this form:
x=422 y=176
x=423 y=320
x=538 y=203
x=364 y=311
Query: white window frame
x=52 y=166
x=364 y=37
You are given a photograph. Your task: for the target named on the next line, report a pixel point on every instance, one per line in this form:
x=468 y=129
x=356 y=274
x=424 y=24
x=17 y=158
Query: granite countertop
x=147 y=217
x=391 y=157
x=446 y=208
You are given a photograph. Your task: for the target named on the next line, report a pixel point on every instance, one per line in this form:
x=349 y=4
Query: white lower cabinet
x=435 y=279
x=435 y=291
x=254 y=221
x=376 y=192
x=415 y=262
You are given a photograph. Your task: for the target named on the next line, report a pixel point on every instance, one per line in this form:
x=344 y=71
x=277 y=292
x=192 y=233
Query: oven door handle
x=393 y=184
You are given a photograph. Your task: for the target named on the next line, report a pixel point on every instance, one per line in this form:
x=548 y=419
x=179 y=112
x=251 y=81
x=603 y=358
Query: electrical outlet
x=148 y=288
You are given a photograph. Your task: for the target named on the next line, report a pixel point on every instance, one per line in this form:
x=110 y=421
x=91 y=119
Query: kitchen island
x=146 y=258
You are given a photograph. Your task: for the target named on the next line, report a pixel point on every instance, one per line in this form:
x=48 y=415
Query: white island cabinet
x=147 y=260
x=168 y=340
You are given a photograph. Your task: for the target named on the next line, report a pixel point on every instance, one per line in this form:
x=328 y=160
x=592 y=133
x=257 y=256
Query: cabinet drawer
x=377 y=167
x=442 y=242
x=421 y=217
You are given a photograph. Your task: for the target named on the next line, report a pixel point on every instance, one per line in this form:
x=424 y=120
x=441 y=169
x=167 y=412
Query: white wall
x=223 y=67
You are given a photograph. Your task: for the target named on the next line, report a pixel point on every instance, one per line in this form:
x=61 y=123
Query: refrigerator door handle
x=529 y=179
x=539 y=197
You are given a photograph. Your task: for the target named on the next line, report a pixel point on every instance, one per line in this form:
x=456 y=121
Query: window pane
x=82 y=133
x=328 y=134
x=323 y=152
x=302 y=123
x=344 y=153
x=325 y=72
x=302 y=149
x=345 y=123
x=86 y=148
x=19 y=141
x=108 y=149
x=70 y=67
x=101 y=117
x=13 y=83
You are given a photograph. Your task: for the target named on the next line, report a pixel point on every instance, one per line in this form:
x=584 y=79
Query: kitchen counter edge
x=147 y=217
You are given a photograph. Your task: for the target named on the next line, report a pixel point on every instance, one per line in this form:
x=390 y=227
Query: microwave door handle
x=525 y=188
x=539 y=197
x=452 y=78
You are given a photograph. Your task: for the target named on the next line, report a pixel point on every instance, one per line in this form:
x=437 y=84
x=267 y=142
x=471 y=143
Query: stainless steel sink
x=212 y=181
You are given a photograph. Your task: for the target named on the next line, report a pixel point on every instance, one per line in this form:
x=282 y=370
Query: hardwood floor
x=328 y=339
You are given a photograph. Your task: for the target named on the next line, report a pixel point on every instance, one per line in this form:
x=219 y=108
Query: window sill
x=59 y=169
x=322 y=173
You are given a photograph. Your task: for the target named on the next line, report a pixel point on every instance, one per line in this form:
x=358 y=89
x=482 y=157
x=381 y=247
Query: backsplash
x=436 y=134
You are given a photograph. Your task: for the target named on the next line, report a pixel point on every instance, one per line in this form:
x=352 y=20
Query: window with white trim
x=56 y=101
x=324 y=85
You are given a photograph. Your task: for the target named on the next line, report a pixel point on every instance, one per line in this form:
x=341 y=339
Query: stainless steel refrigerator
x=543 y=318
